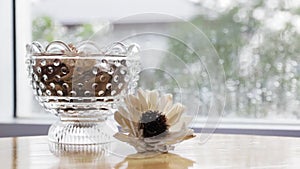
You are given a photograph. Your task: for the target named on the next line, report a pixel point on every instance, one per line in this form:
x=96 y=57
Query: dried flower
x=152 y=123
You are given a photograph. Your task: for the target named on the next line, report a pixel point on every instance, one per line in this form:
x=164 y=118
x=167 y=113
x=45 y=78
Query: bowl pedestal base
x=82 y=135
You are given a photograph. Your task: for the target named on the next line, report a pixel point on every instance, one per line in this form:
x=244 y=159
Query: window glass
x=257 y=43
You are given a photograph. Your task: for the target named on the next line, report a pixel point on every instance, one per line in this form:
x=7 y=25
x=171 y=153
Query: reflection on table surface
x=221 y=151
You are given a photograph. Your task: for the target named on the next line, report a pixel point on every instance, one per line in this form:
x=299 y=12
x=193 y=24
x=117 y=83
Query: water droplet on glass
x=33 y=85
x=103 y=63
x=43 y=62
x=122 y=71
x=253 y=101
x=250 y=95
x=45 y=77
x=52 y=85
x=64 y=70
x=259 y=91
x=269 y=93
x=65 y=85
x=111 y=71
x=39 y=69
x=57 y=78
x=48 y=92
x=94 y=85
x=116 y=78
x=72 y=62
x=42 y=86
x=60 y=93
x=80 y=85
x=113 y=92
x=87 y=93
x=279 y=66
x=126 y=78
x=102 y=78
x=258 y=85
x=33 y=62
x=117 y=63
x=73 y=93
x=35 y=77
x=276 y=84
x=108 y=86
x=123 y=62
x=39 y=91
x=101 y=92
x=50 y=70
x=120 y=85
x=56 y=62
x=225 y=31
x=95 y=71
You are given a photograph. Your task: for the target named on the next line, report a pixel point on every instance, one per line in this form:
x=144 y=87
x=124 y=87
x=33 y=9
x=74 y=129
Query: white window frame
x=6 y=60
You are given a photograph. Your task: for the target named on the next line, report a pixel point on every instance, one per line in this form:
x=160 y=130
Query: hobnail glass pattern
x=82 y=85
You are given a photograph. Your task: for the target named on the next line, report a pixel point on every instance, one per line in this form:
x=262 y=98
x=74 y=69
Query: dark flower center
x=153 y=123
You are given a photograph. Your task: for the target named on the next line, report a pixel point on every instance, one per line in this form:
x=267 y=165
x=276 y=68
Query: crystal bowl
x=82 y=85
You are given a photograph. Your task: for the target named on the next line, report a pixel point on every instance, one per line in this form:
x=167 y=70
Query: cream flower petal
x=127 y=125
x=143 y=101
x=173 y=137
x=131 y=102
x=178 y=125
x=175 y=113
x=137 y=143
x=176 y=137
x=131 y=113
x=118 y=117
x=146 y=95
x=134 y=102
x=165 y=102
x=123 y=112
x=168 y=106
x=129 y=117
x=152 y=100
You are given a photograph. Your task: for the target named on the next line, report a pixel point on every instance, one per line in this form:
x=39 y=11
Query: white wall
x=6 y=59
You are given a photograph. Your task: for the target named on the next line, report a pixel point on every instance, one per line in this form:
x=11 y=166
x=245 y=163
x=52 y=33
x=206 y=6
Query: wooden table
x=219 y=152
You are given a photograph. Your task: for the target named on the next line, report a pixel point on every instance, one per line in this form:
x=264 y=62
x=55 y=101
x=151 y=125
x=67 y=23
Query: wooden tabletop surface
x=219 y=152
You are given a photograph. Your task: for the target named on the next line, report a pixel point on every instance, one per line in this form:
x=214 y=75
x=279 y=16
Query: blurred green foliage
x=260 y=62
x=45 y=29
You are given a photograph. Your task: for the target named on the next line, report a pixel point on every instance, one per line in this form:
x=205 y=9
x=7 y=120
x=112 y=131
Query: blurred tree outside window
x=259 y=47
x=258 y=42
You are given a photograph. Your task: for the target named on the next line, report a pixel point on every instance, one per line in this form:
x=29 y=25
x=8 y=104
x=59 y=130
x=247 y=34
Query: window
x=6 y=53
x=257 y=44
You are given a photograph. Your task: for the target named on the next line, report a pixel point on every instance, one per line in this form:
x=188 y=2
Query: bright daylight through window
x=258 y=43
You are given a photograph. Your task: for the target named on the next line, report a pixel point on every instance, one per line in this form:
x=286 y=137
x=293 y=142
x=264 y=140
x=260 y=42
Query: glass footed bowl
x=81 y=85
